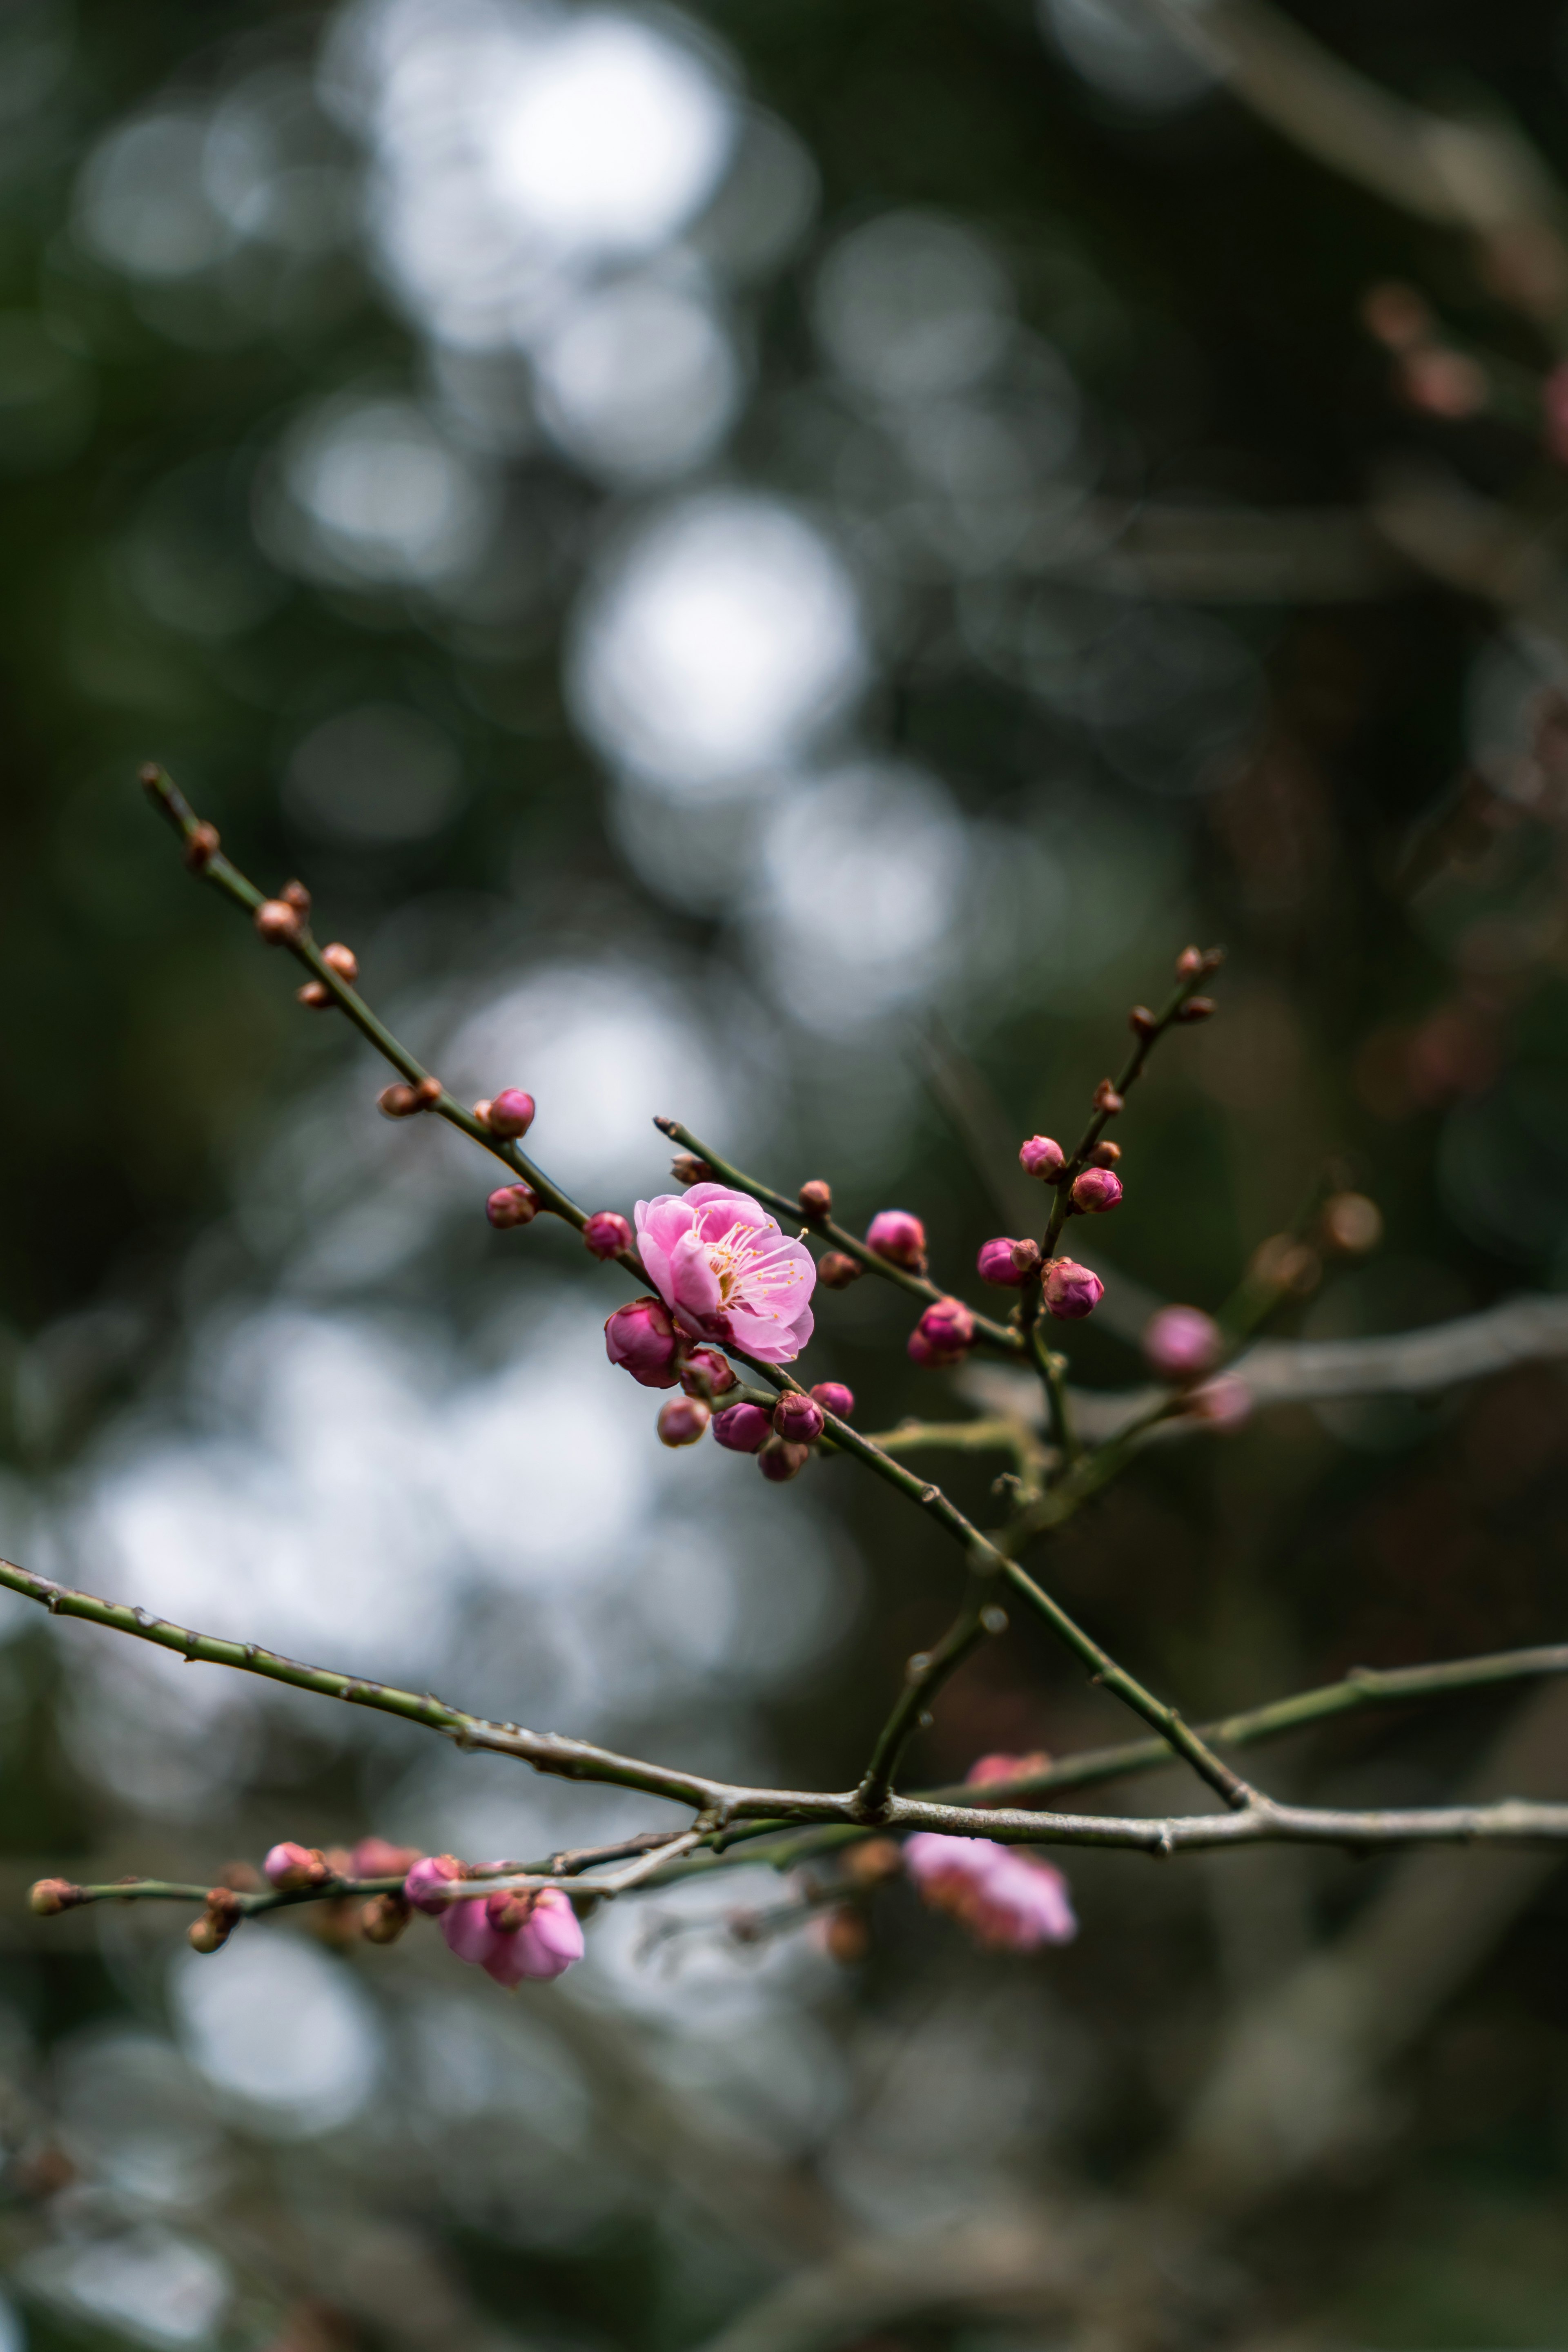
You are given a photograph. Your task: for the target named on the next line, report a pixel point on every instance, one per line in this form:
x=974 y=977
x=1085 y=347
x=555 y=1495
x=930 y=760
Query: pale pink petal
x=468 y=1932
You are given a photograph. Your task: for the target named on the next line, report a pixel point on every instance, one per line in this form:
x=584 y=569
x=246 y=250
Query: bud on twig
x=778 y=1460
x=1107 y=1100
x=1043 y=1157
x=292 y=1868
x=682 y=1420
x=798 y=1418
x=606 y=1233
x=1097 y=1190
x=316 y=994
x=742 y=1428
x=384 y=1918
x=1192 y=962
x=687 y=1168
x=708 y=1374
x=1142 y=1021
x=217 y=1923
x=295 y=895
x=816 y=1198
x=511 y=1114
x=1196 y=1008
x=1008 y=1264
x=51 y=1894
x=900 y=1238
x=834 y=1398
x=512 y=1205
x=342 y=961
x=201 y=847
x=836 y=1272
x=1105 y=1155
x=1353 y=1223
x=402 y=1102
x=276 y=921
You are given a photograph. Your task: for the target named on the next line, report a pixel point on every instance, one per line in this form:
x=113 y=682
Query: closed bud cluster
x=708 y=1374
x=1071 y=1291
x=682 y=1420
x=201 y=847
x=834 y=1398
x=895 y=1235
x=944 y=1335
x=687 y=1168
x=780 y=1460
x=1008 y=1264
x=342 y=961
x=1042 y=1156
x=643 y=1340
x=607 y=1234
x=511 y=1113
x=1097 y=1190
x=816 y=1198
x=743 y=1428
x=512 y=1205
x=1182 y=1343
x=836 y=1271
x=276 y=921
x=798 y=1418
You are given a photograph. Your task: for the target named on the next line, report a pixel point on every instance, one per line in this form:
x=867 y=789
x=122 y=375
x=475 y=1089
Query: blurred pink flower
x=725 y=1271
x=1182 y=1343
x=1008 y=1901
x=529 y=1936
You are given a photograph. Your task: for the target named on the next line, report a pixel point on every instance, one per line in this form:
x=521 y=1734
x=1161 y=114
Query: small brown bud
x=816 y=1197
x=869 y=1864
x=384 y=1918
x=846 y=1935
x=1196 y=1008
x=342 y=959
x=481 y=1110
x=1106 y=1098
x=1142 y=1021
x=428 y=1093
x=687 y=1168
x=315 y=994
x=1189 y=963
x=217 y=1923
x=295 y=895
x=201 y=847
x=276 y=921
x=1282 y=1263
x=1105 y=1155
x=51 y=1894
x=398 y=1102
x=1353 y=1223
x=837 y=1271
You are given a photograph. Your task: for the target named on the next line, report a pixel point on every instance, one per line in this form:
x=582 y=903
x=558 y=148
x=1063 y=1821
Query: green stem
x=925 y=1674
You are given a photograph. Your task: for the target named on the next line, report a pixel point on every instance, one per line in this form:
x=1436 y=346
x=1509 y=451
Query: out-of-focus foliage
x=771 y=564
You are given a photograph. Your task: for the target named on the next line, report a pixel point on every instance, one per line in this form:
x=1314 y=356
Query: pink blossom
x=512 y=1205
x=725 y=1271
x=1097 y=1190
x=1181 y=1343
x=606 y=1233
x=1070 y=1290
x=1008 y=1264
x=429 y=1876
x=743 y=1428
x=511 y=1113
x=534 y=1935
x=641 y=1340
x=898 y=1237
x=1008 y=1901
x=1042 y=1156
x=943 y=1334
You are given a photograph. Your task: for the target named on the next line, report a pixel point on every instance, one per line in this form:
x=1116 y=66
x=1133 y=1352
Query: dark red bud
x=295 y=895
x=778 y=1460
x=1105 y=1155
x=816 y=1198
x=687 y=1168
x=1142 y=1021
x=798 y=1418
x=398 y=1102
x=836 y=1271
x=511 y=1113
x=201 y=847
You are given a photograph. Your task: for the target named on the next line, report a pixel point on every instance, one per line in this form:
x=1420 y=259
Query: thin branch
x=924 y=1677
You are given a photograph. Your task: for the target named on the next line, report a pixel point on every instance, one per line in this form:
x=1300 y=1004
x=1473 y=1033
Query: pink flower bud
x=1008 y=1264
x=1224 y=1403
x=342 y=961
x=682 y=1420
x=1070 y=1290
x=798 y=1418
x=513 y=1205
x=743 y=1428
x=834 y=1398
x=1097 y=1190
x=1181 y=1343
x=51 y=1894
x=607 y=1232
x=1007 y=1901
x=293 y=1867
x=544 y=1943
x=425 y=1880
x=778 y=1460
x=945 y=1333
x=708 y=1374
x=899 y=1238
x=276 y=921
x=511 y=1113
x=643 y=1340
x=1042 y=1156
x=816 y=1197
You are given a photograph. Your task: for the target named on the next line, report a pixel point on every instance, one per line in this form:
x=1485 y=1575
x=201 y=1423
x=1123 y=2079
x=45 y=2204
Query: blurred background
x=771 y=564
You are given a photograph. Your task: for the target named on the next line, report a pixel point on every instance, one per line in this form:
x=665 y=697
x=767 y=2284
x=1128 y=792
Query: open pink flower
x=725 y=1271
x=1008 y=1901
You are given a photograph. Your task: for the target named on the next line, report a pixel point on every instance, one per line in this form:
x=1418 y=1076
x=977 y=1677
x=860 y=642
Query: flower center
x=749 y=1268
